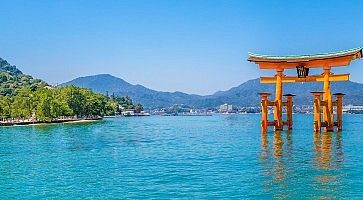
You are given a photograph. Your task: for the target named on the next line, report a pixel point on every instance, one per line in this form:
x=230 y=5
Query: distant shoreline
x=56 y=121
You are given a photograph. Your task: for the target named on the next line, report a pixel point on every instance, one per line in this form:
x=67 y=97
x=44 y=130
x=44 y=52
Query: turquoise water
x=182 y=158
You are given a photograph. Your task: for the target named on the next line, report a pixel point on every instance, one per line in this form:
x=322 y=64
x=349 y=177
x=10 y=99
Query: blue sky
x=195 y=46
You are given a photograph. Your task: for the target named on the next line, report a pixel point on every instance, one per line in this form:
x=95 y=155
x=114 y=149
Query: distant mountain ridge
x=104 y=83
x=243 y=95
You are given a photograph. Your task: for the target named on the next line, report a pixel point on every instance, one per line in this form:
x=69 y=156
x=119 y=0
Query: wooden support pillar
x=339 y=97
x=328 y=110
x=289 y=104
x=278 y=100
x=264 y=110
x=317 y=110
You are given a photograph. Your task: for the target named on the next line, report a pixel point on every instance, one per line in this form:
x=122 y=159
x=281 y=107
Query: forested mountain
x=243 y=95
x=12 y=79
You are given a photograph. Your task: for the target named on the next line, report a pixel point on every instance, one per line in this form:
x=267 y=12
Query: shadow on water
x=287 y=171
x=49 y=128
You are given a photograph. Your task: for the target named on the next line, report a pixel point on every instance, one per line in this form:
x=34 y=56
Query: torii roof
x=333 y=59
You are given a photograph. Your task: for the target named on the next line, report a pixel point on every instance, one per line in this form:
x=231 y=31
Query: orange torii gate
x=302 y=64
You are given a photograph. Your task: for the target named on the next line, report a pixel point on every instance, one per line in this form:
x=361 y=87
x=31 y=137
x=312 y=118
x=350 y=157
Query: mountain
x=10 y=69
x=105 y=83
x=11 y=79
x=243 y=95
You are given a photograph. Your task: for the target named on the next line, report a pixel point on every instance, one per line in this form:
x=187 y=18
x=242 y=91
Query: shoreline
x=56 y=121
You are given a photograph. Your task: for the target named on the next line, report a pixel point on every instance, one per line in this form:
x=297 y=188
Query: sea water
x=190 y=157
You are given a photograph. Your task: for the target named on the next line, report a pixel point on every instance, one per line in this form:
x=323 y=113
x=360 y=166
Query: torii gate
x=302 y=64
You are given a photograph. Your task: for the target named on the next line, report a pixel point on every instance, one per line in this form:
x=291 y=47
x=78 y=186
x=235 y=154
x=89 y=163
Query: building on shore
x=133 y=113
x=225 y=108
x=128 y=112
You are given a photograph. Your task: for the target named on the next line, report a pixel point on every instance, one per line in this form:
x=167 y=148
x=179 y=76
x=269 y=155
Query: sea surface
x=210 y=157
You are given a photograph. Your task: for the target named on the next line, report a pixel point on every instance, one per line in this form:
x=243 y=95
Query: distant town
x=184 y=110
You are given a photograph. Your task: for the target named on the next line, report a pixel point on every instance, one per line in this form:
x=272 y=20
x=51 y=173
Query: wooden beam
x=313 y=78
x=320 y=63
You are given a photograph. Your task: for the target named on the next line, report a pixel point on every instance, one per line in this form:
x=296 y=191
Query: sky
x=193 y=46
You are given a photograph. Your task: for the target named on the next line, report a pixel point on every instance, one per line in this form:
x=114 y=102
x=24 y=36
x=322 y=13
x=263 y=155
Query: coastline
x=56 y=121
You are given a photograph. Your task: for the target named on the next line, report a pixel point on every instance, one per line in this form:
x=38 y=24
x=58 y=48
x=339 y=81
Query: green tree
x=23 y=104
x=43 y=108
x=6 y=106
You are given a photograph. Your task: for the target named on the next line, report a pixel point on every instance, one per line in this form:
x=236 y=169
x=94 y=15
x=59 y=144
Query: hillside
x=11 y=79
x=243 y=95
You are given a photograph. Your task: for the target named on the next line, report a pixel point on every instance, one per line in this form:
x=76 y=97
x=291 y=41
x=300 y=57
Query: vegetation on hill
x=23 y=97
x=12 y=79
x=11 y=69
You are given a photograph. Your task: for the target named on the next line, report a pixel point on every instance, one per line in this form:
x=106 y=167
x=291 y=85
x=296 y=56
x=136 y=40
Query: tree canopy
x=48 y=103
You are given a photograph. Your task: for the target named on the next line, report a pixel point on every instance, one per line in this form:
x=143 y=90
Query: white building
x=128 y=112
x=225 y=108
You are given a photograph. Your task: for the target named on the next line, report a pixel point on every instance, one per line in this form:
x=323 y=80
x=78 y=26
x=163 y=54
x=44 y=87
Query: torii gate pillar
x=328 y=110
x=278 y=100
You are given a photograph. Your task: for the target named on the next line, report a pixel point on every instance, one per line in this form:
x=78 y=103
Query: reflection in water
x=338 y=149
x=289 y=144
x=281 y=164
x=279 y=171
x=44 y=128
x=326 y=161
x=322 y=150
x=274 y=163
x=328 y=155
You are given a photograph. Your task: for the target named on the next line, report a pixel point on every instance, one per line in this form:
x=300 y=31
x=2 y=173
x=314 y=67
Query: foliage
x=46 y=104
x=10 y=84
x=122 y=103
x=12 y=79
